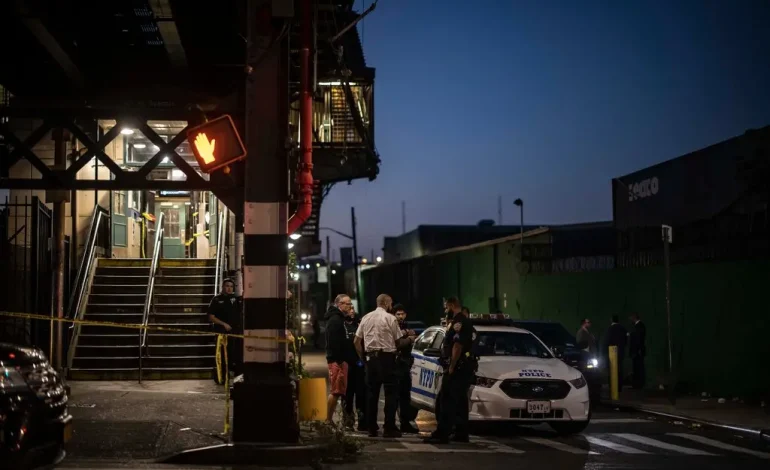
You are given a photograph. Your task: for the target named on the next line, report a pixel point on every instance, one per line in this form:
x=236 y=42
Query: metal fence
x=26 y=269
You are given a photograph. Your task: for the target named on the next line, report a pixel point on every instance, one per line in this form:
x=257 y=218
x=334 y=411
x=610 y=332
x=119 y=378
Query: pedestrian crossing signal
x=216 y=144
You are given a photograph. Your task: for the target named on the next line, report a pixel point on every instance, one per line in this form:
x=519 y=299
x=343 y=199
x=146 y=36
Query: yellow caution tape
x=189 y=242
x=136 y=326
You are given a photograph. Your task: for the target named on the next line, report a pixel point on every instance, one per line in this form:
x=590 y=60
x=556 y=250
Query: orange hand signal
x=205 y=148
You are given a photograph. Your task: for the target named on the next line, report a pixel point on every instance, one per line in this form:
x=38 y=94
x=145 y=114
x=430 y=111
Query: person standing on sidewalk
x=459 y=369
x=224 y=312
x=585 y=339
x=336 y=340
x=616 y=336
x=376 y=340
x=637 y=351
x=404 y=371
x=356 y=391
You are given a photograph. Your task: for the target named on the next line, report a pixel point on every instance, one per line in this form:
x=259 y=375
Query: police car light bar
x=490 y=316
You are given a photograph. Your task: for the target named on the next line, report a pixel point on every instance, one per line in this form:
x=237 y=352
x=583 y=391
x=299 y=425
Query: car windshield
x=415 y=324
x=552 y=334
x=507 y=343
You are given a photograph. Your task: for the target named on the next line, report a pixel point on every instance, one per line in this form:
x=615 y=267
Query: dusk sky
x=546 y=101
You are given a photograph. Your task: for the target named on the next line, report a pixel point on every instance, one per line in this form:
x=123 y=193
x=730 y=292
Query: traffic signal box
x=216 y=144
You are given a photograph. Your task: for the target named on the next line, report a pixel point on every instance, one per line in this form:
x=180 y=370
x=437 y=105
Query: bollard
x=312 y=399
x=613 y=353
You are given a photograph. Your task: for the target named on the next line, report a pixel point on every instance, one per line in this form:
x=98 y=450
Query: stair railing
x=148 y=299
x=80 y=286
x=219 y=275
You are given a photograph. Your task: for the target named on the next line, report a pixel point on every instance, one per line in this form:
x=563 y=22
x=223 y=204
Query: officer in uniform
x=356 y=390
x=225 y=312
x=404 y=372
x=459 y=370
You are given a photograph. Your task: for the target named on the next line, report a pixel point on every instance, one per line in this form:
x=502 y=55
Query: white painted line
x=559 y=446
x=614 y=446
x=661 y=445
x=721 y=445
x=621 y=421
x=430 y=448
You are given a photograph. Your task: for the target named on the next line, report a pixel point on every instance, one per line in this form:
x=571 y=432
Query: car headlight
x=578 y=383
x=485 y=382
x=303 y=316
x=592 y=363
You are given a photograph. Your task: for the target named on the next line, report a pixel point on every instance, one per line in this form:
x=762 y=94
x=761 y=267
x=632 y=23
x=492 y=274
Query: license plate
x=538 y=407
x=67 y=432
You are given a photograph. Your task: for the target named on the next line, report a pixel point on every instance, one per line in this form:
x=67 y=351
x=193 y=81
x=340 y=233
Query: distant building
x=715 y=199
x=429 y=239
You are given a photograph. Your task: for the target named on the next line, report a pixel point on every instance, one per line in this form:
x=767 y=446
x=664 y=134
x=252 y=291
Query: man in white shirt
x=376 y=341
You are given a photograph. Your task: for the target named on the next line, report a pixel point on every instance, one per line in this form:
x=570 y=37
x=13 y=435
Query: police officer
x=459 y=369
x=225 y=316
x=404 y=372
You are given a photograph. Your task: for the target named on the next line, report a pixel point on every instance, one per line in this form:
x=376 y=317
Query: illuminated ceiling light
x=307 y=266
x=165 y=159
x=127 y=131
x=363 y=261
x=379 y=259
x=334 y=271
x=318 y=265
x=295 y=236
x=291 y=245
x=139 y=146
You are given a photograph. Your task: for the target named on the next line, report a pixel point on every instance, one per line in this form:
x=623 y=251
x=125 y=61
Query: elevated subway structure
x=123 y=80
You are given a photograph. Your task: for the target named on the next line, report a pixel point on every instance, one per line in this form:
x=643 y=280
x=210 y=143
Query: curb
x=285 y=455
x=760 y=434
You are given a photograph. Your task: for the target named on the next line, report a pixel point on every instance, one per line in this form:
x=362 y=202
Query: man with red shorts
x=336 y=352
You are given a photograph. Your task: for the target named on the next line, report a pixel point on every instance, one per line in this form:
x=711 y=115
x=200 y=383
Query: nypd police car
x=519 y=380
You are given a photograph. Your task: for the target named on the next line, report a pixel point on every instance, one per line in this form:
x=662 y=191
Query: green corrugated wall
x=720 y=311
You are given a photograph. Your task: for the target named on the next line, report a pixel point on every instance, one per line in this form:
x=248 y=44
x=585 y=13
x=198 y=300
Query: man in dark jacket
x=225 y=311
x=356 y=391
x=637 y=350
x=616 y=336
x=336 y=351
x=404 y=371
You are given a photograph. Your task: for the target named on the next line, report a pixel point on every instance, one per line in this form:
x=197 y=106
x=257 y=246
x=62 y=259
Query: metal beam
x=49 y=42
x=169 y=32
x=129 y=181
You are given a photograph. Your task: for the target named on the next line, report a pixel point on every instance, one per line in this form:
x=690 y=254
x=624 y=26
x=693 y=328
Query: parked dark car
x=35 y=423
x=564 y=346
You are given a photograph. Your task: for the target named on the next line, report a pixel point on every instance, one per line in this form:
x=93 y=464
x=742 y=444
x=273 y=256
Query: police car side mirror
x=557 y=352
x=432 y=352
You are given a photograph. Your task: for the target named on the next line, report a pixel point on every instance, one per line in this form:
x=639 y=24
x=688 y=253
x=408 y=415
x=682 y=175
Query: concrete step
x=116 y=298
x=186 y=271
x=180 y=350
x=180 y=307
x=177 y=298
x=124 y=262
x=121 y=280
x=109 y=289
x=180 y=317
x=122 y=270
x=203 y=289
x=115 y=337
x=182 y=279
x=187 y=262
x=191 y=373
x=129 y=360
x=115 y=307
x=170 y=339
x=132 y=317
x=108 y=351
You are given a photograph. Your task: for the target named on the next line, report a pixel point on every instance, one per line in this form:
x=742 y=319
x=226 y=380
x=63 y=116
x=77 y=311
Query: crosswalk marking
x=662 y=445
x=721 y=445
x=614 y=446
x=559 y=446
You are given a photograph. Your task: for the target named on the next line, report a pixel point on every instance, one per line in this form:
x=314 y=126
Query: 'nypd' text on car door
x=426 y=371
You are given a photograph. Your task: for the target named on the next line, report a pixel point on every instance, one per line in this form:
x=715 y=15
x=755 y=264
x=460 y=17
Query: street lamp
x=354 y=239
x=520 y=203
x=379 y=259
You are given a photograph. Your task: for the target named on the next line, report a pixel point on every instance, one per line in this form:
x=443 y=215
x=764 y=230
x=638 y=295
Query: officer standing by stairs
x=225 y=316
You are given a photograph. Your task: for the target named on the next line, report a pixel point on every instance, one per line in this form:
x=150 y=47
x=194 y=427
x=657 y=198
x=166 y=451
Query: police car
x=519 y=380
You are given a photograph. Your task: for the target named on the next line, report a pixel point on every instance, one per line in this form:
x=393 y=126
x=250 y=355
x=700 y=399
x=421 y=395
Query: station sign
x=216 y=144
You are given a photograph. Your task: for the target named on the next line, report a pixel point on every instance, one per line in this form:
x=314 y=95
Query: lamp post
x=520 y=203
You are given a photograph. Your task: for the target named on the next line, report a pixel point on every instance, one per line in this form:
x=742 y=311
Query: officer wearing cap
x=225 y=312
x=459 y=369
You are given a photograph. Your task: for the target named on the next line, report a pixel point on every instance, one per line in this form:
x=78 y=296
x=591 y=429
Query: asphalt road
x=125 y=424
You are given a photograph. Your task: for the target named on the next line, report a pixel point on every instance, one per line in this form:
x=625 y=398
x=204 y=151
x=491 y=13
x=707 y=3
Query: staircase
x=183 y=289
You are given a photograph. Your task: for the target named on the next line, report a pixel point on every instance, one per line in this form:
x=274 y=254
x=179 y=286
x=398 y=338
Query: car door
x=419 y=393
x=433 y=372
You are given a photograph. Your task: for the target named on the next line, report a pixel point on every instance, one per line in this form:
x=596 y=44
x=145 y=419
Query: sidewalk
x=706 y=411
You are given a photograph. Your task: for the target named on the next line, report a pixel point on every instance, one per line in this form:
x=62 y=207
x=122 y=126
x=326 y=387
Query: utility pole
x=265 y=217
x=667 y=235
x=520 y=203
x=328 y=273
x=355 y=255
x=403 y=217
x=59 y=199
x=499 y=210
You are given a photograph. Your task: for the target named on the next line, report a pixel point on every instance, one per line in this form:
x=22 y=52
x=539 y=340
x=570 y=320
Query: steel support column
x=60 y=160
x=264 y=409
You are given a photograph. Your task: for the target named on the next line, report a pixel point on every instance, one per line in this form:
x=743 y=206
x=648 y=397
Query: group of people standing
x=619 y=336
x=374 y=352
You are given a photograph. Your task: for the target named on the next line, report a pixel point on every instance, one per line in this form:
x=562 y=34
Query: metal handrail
x=78 y=292
x=156 y=249
x=220 y=266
